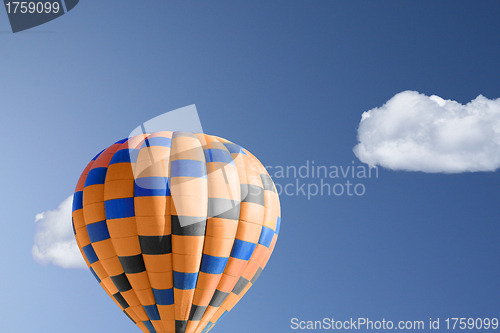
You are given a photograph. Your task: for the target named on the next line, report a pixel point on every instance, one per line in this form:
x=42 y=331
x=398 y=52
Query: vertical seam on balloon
x=208 y=217
x=132 y=289
x=225 y=303
x=165 y=175
x=108 y=291
x=151 y=158
x=211 y=317
x=171 y=211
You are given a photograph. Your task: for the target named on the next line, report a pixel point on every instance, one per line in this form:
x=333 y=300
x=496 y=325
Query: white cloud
x=54 y=239
x=415 y=132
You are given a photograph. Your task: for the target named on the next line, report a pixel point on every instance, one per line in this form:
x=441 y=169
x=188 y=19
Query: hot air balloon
x=175 y=227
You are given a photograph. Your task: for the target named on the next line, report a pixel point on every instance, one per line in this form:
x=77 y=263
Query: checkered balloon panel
x=176 y=227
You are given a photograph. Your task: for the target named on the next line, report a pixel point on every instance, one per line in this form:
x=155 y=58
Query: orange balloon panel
x=175 y=227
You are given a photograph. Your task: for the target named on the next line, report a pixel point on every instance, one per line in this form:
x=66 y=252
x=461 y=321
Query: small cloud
x=38 y=217
x=54 y=239
x=415 y=132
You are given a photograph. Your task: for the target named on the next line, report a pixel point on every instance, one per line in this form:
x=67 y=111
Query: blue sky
x=289 y=81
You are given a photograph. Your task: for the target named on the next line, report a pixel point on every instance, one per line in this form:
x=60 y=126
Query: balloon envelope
x=175 y=227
